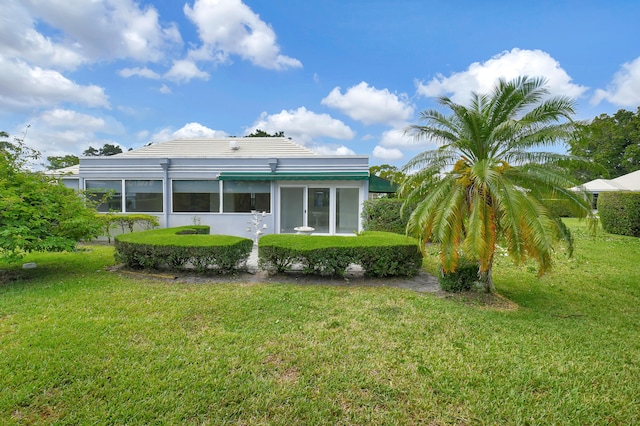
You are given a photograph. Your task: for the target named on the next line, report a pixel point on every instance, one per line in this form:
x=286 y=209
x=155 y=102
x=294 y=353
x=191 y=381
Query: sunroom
x=222 y=182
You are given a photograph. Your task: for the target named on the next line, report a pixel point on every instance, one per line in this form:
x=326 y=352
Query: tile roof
x=217 y=148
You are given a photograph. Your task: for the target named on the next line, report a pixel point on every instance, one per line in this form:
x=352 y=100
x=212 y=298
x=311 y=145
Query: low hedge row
x=126 y=221
x=380 y=254
x=185 y=247
x=620 y=212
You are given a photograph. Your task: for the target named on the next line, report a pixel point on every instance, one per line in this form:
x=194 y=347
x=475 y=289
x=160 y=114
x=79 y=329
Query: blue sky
x=338 y=76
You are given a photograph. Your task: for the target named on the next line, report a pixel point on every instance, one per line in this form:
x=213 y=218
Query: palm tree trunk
x=486 y=279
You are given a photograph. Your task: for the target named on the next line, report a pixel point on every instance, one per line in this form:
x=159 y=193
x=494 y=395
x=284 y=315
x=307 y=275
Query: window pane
x=143 y=195
x=318 y=207
x=347 y=204
x=244 y=196
x=97 y=189
x=196 y=196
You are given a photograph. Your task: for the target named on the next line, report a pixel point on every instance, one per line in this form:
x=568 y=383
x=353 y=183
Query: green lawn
x=80 y=345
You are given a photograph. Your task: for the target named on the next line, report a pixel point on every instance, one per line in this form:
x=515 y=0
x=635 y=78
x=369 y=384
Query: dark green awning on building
x=381 y=185
x=294 y=176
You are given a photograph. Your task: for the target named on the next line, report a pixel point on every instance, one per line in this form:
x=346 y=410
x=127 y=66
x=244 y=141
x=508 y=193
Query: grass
x=82 y=345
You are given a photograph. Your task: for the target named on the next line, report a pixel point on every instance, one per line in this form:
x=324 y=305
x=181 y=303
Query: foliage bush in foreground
x=462 y=279
x=383 y=214
x=37 y=213
x=620 y=212
x=127 y=222
x=380 y=254
x=185 y=247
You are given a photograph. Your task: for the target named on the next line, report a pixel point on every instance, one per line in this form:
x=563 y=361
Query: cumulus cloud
x=332 y=150
x=139 y=72
x=96 y=30
x=302 y=125
x=370 y=105
x=229 y=27
x=624 y=89
x=480 y=77
x=387 y=154
x=64 y=131
x=188 y=131
x=23 y=86
x=185 y=70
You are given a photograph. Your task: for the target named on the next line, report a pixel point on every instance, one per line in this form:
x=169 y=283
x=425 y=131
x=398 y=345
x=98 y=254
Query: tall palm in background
x=486 y=184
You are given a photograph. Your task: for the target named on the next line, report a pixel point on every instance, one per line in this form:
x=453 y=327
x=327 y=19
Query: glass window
x=318 y=208
x=106 y=193
x=347 y=203
x=143 y=195
x=244 y=196
x=196 y=196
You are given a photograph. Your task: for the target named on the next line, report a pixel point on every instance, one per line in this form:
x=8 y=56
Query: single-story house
x=220 y=182
x=628 y=182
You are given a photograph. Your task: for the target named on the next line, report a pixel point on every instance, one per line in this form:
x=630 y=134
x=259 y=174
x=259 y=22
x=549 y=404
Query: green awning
x=294 y=176
x=381 y=185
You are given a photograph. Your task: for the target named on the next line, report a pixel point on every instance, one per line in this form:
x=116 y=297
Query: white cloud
x=481 y=77
x=164 y=89
x=23 y=86
x=60 y=118
x=184 y=70
x=369 y=105
x=139 y=72
x=188 y=131
x=302 y=125
x=332 y=150
x=229 y=27
x=96 y=30
x=64 y=131
x=624 y=89
x=398 y=138
x=19 y=39
x=387 y=154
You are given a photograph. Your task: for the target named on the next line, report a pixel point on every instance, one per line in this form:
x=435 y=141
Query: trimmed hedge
x=126 y=222
x=185 y=247
x=620 y=212
x=380 y=254
x=383 y=214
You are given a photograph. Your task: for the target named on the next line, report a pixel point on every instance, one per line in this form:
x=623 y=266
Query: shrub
x=620 y=212
x=462 y=279
x=185 y=247
x=383 y=214
x=127 y=222
x=380 y=254
x=559 y=208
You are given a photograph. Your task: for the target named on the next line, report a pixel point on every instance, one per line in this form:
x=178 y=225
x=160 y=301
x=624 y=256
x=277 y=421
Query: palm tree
x=486 y=184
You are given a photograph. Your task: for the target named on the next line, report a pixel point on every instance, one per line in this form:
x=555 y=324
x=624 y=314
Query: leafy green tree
x=106 y=150
x=611 y=142
x=37 y=213
x=60 y=162
x=388 y=172
x=486 y=185
x=262 y=134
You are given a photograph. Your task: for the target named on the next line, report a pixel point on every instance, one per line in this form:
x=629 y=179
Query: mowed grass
x=81 y=345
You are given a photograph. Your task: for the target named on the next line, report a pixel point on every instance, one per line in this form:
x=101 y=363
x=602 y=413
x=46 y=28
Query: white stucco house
x=628 y=182
x=218 y=182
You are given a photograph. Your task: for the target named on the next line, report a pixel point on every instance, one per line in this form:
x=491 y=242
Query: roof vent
x=234 y=145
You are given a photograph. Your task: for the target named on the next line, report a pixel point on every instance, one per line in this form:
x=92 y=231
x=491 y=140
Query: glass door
x=292 y=209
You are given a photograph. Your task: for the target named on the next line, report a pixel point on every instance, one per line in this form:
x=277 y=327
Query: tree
x=262 y=134
x=612 y=142
x=486 y=185
x=37 y=213
x=106 y=150
x=62 y=161
x=388 y=172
